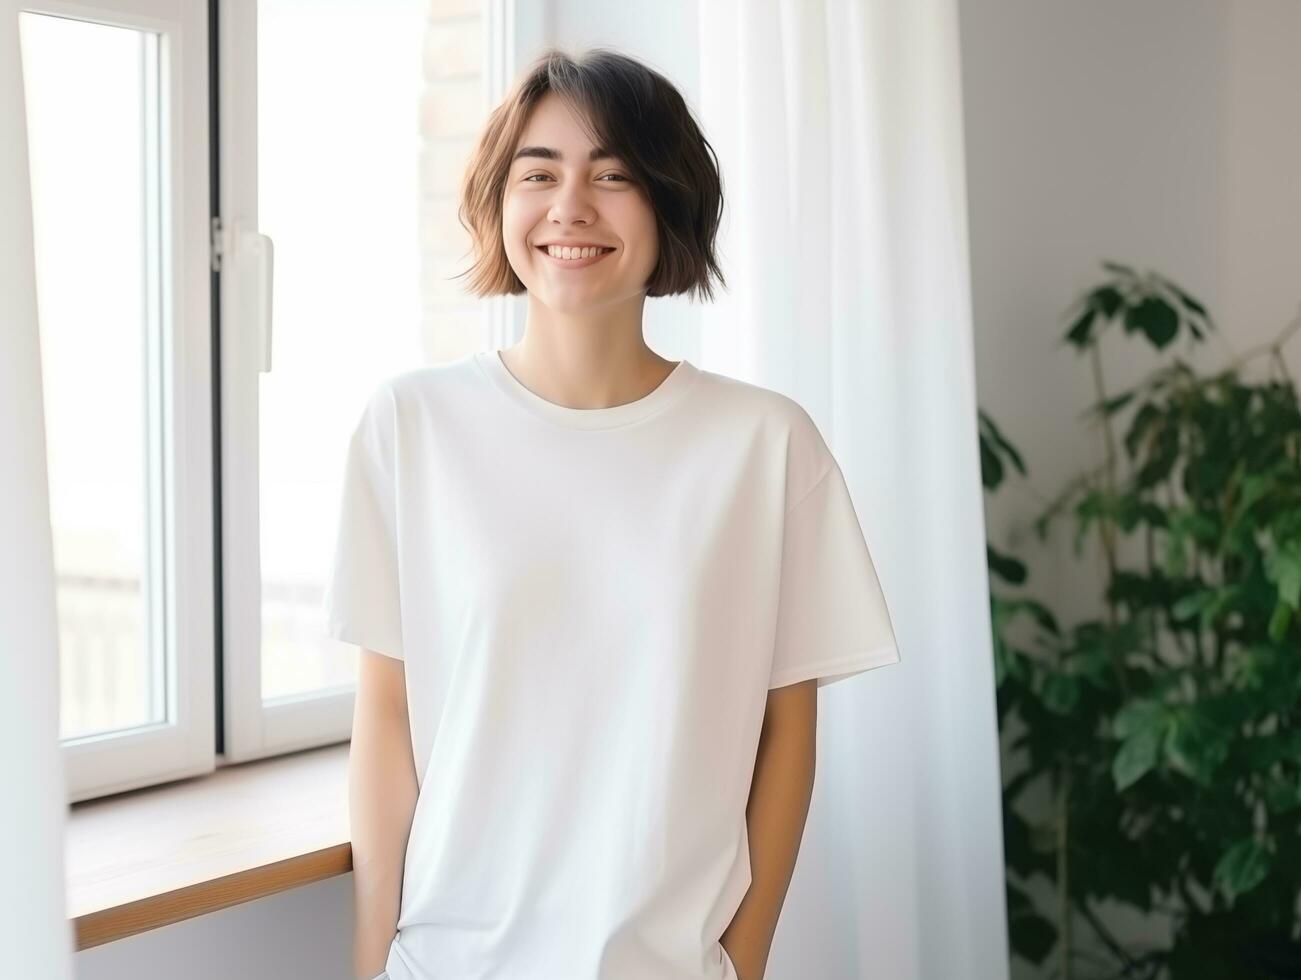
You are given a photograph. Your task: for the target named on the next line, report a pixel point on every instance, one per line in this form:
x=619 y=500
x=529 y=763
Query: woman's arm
x=775 y=815
x=382 y=792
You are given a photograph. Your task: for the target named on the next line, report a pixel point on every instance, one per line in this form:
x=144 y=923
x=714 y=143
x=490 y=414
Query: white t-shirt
x=591 y=606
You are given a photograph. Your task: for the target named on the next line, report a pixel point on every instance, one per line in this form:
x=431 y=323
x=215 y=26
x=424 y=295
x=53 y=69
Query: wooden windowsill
x=154 y=856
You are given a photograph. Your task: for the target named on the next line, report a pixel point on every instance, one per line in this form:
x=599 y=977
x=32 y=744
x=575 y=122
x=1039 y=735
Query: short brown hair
x=637 y=114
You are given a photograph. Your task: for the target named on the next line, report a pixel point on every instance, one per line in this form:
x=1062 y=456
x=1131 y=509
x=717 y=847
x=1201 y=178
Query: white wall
x=302 y=933
x=1159 y=134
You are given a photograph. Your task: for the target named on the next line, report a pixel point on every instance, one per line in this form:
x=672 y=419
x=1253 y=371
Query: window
x=225 y=270
x=117 y=176
x=102 y=369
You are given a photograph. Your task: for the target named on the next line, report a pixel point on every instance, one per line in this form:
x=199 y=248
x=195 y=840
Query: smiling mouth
x=575 y=263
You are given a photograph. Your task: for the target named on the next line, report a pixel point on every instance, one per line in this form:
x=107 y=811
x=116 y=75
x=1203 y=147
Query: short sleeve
x=361 y=602
x=832 y=620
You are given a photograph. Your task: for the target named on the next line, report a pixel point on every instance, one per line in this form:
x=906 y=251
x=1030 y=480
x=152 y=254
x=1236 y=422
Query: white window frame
x=251 y=729
x=184 y=744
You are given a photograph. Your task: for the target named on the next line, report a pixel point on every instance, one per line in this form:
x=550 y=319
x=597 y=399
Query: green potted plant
x=1167 y=731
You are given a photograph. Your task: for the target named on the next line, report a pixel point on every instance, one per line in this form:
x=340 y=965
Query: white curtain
x=35 y=937
x=839 y=131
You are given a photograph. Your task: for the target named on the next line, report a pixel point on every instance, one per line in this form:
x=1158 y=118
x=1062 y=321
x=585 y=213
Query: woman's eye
x=530 y=177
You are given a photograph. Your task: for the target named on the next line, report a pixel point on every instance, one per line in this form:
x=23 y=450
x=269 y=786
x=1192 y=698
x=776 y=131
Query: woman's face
x=573 y=198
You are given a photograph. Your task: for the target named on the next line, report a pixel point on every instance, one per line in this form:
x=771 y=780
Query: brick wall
x=453 y=106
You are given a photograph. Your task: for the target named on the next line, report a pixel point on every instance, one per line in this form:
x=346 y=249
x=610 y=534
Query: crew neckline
x=668 y=390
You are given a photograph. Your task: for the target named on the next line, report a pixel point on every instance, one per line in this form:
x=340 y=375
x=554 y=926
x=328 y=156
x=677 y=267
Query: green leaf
x=1124 y=270
x=1279 y=622
x=1004 y=566
x=1144 y=419
x=1195 y=746
x=1136 y=715
x=1156 y=318
x=1188 y=301
x=1190 y=605
x=1060 y=693
x=1225 y=598
x=1029 y=933
x=1136 y=757
x=997 y=441
x=1283 y=794
x=1107 y=300
x=1243 y=866
x=1254 y=487
x=991 y=467
x=1109 y=406
x=1080 y=332
x=1174 y=559
x=1283 y=567
x=1032 y=936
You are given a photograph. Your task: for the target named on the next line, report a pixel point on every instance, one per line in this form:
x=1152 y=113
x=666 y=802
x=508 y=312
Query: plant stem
x=1063 y=871
x=1154 y=620
x=1106 y=523
x=1273 y=347
x=1105 y=527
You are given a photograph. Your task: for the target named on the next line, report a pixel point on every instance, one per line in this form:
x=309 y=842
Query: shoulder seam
x=804 y=496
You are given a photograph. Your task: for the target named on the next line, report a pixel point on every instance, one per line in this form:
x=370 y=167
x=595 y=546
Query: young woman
x=596 y=590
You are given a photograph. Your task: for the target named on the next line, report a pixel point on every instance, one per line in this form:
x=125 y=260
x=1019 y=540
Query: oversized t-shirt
x=591 y=606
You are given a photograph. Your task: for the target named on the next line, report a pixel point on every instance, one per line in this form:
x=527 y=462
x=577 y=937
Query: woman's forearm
x=775 y=815
x=382 y=791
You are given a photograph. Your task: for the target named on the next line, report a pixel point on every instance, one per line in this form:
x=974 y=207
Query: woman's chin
x=574 y=297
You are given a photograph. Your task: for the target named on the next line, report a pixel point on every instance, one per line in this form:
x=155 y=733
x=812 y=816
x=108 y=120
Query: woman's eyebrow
x=548 y=153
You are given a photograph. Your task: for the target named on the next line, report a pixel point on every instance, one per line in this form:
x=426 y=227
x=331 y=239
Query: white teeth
x=574 y=253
